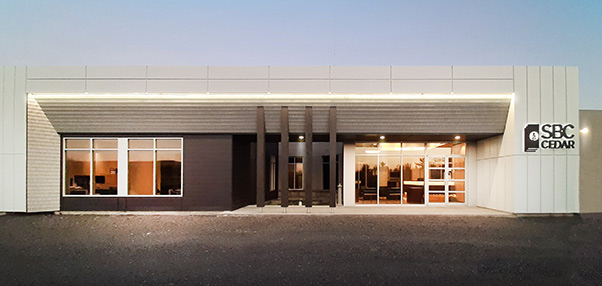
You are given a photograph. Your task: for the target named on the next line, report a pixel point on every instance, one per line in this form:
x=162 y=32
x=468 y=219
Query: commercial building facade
x=189 y=138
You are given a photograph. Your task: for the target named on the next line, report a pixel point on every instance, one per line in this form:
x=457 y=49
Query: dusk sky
x=463 y=32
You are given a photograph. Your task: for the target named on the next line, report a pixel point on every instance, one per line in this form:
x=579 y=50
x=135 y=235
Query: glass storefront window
x=273 y=168
x=395 y=173
x=412 y=149
x=457 y=162
x=77 y=172
x=436 y=197
x=457 y=186
x=413 y=169
x=389 y=180
x=168 y=172
x=436 y=174
x=105 y=172
x=457 y=197
x=91 y=166
x=141 y=143
x=437 y=162
x=446 y=148
x=105 y=143
x=77 y=143
x=457 y=174
x=458 y=149
x=169 y=143
x=295 y=173
x=366 y=179
x=437 y=149
x=413 y=180
x=390 y=148
x=140 y=172
x=366 y=148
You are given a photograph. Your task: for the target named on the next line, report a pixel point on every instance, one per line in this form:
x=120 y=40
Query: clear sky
x=327 y=32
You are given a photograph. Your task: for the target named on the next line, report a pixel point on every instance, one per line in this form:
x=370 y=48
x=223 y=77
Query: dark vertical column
x=332 y=128
x=283 y=159
x=260 y=157
x=307 y=161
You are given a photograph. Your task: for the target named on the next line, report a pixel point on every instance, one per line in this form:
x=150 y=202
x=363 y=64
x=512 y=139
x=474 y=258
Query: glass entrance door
x=409 y=173
x=446 y=179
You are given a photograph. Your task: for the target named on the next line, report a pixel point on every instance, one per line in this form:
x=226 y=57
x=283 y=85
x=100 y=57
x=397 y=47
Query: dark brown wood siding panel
x=89 y=204
x=207 y=172
x=207 y=182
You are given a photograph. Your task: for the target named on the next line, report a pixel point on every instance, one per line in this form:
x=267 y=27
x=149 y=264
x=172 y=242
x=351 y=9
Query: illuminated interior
x=152 y=167
x=410 y=173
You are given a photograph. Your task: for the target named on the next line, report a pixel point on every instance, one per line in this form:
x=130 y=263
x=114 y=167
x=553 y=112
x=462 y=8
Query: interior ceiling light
x=301 y=137
x=584 y=130
x=457 y=137
x=382 y=137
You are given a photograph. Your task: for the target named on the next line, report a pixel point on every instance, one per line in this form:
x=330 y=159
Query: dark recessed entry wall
x=208 y=180
x=244 y=166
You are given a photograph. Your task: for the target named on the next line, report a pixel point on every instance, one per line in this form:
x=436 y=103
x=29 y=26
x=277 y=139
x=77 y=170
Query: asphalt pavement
x=300 y=250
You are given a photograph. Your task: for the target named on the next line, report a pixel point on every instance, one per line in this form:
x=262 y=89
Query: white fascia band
x=278 y=97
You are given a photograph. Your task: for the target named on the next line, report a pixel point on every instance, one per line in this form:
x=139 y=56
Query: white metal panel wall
x=43 y=161
x=494 y=174
x=266 y=79
x=471 y=173
x=573 y=156
x=349 y=174
x=149 y=117
x=483 y=72
x=13 y=107
x=545 y=181
x=552 y=97
x=520 y=120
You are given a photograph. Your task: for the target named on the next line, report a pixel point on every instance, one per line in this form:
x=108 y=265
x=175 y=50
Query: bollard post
x=340 y=198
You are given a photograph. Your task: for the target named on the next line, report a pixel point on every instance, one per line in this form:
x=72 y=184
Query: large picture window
x=123 y=166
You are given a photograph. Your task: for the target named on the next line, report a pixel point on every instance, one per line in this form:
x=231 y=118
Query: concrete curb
x=547 y=215
x=373 y=214
x=294 y=211
x=138 y=213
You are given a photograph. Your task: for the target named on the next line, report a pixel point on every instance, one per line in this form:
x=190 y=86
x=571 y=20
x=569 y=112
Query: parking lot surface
x=299 y=250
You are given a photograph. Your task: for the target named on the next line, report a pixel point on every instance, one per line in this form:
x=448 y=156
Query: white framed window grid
x=427 y=175
x=123 y=161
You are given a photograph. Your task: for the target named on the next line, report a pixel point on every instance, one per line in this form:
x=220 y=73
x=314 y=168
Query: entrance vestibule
x=410 y=173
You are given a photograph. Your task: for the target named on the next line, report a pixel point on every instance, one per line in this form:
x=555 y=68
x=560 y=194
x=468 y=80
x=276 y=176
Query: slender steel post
x=283 y=158
x=332 y=128
x=260 y=157
x=307 y=161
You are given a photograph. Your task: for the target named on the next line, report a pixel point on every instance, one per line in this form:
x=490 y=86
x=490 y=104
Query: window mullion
x=91 y=188
x=122 y=167
x=154 y=167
